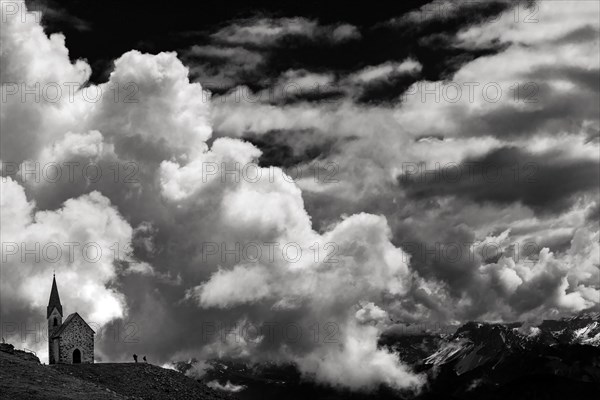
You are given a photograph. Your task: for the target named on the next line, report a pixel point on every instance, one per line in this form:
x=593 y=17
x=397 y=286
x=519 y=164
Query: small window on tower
x=55 y=321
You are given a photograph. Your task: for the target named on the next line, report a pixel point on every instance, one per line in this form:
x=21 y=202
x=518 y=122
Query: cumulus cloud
x=440 y=127
x=369 y=312
x=564 y=281
x=88 y=220
x=289 y=282
x=165 y=110
x=203 y=226
x=366 y=266
x=32 y=61
x=80 y=241
x=359 y=364
x=165 y=132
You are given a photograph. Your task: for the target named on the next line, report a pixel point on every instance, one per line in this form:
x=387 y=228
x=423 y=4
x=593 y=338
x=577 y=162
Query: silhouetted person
x=135 y=358
x=146 y=361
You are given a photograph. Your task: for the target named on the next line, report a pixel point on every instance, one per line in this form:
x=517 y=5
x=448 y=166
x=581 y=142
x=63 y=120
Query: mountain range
x=555 y=359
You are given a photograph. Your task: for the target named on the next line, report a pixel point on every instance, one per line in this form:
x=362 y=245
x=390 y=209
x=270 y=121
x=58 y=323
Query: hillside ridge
x=22 y=378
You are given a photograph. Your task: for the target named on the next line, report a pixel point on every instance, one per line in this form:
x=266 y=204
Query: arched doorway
x=76 y=356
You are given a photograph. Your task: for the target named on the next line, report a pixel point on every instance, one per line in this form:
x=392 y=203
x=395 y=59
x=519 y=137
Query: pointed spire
x=54 y=301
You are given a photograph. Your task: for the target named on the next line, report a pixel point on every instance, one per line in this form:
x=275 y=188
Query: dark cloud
x=290 y=148
x=446 y=256
x=593 y=215
x=545 y=182
x=54 y=16
x=386 y=90
x=583 y=34
x=220 y=68
x=511 y=120
x=586 y=79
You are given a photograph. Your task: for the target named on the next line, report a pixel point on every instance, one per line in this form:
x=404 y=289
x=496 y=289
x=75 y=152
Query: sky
x=283 y=181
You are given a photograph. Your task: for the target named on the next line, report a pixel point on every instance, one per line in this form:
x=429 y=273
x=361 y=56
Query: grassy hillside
x=24 y=378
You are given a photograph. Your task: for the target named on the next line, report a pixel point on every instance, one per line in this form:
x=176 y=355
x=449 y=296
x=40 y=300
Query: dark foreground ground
x=23 y=377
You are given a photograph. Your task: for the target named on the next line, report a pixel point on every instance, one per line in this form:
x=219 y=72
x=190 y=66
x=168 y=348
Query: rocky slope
x=496 y=361
x=476 y=344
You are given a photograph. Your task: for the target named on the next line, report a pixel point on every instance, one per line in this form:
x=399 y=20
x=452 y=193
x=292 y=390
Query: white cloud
x=227 y=387
x=538 y=24
x=81 y=241
x=222 y=289
x=385 y=71
x=357 y=362
x=167 y=111
x=345 y=32
x=369 y=312
x=267 y=31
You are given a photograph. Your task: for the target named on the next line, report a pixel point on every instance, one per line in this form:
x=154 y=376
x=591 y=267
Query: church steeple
x=54 y=314
x=54 y=301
